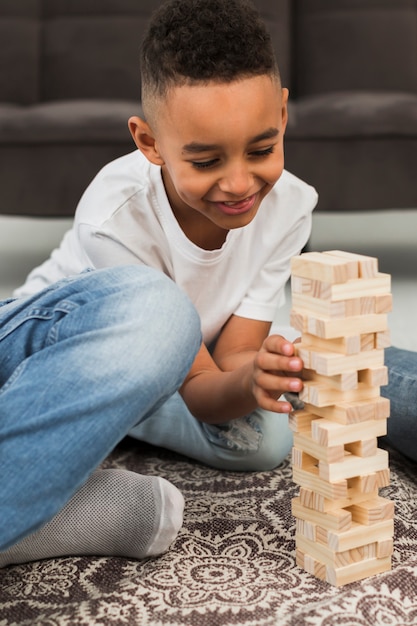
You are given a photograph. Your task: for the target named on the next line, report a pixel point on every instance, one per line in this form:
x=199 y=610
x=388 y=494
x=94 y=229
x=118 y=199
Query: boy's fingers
x=270 y=361
x=279 y=345
x=278 y=384
x=274 y=404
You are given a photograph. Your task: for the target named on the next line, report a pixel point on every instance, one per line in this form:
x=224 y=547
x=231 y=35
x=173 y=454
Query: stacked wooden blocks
x=344 y=528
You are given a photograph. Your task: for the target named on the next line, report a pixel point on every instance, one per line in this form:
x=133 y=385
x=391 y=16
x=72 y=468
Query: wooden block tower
x=344 y=528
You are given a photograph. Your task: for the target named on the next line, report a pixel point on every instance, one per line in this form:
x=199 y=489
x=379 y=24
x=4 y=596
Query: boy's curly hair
x=194 y=41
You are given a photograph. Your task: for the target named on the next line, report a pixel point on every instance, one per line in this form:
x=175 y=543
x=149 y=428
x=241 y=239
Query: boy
x=204 y=200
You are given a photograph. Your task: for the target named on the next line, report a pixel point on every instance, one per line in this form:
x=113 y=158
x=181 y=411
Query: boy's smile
x=220 y=146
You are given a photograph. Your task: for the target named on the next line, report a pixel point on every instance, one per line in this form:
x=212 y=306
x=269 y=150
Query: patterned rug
x=232 y=563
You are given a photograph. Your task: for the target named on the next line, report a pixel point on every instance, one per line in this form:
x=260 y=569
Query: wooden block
x=315 y=306
x=356 y=536
x=383 y=303
x=343 y=345
x=374 y=376
x=307 y=529
x=319 y=394
x=311 y=499
x=329 y=454
x=310 y=287
x=300 y=421
x=343 y=381
x=325 y=268
x=363 y=305
x=307 y=563
x=380 y=285
x=368 y=266
x=310 y=479
x=383 y=478
x=368 y=341
x=332 y=363
x=325 y=555
x=371 y=511
x=353 y=466
x=363 y=448
x=367 y=483
x=382 y=340
x=299 y=559
x=318 y=502
x=339 y=519
x=315 y=289
x=385 y=548
x=303 y=353
x=382 y=408
x=298 y=321
x=348 y=307
x=328 y=433
x=331 y=328
x=353 y=412
x=302 y=460
x=357 y=571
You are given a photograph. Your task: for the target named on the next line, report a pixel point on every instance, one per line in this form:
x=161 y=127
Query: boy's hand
x=248 y=369
x=275 y=372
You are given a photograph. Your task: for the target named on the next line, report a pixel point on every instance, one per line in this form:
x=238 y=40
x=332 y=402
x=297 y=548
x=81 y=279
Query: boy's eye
x=263 y=153
x=202 y=165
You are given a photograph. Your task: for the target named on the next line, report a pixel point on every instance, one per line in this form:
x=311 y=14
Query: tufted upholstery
x=69 y=79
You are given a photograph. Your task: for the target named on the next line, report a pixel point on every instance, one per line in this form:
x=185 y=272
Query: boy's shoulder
x=291 y=188
x=124 y=182
x=129 y=166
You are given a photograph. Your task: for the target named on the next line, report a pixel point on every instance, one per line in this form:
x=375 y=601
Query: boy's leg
x=258 y=442
x=402 y=393
x=79 y=363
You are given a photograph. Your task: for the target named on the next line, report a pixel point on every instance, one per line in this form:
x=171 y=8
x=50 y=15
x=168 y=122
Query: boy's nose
x=237 y=181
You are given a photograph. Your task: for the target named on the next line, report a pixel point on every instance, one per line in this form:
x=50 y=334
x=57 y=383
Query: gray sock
x=115 y=513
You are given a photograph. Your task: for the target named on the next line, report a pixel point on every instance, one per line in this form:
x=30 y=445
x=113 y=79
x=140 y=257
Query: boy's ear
x=284 y=108
x=144 y=139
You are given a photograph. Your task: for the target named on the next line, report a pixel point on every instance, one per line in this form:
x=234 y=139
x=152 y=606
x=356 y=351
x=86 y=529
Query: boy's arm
x=248 y=369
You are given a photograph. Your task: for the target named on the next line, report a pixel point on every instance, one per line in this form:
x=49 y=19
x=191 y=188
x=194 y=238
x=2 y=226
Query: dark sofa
x=69 y=80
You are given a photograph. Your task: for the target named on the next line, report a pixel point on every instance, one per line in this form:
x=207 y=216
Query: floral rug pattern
x=232 y=563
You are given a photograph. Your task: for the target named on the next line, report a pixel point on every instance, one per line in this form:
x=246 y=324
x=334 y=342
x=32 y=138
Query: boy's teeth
x=233 y=203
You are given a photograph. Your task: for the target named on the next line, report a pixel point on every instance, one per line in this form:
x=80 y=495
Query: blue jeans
x=257 y=442
x=402 y=393
x=86 y=362
x=80 y=363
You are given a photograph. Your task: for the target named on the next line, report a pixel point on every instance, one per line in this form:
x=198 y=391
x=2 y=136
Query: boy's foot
x=115 y=513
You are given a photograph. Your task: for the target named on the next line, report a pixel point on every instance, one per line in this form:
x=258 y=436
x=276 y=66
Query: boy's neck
x=196 y=227
x=200 y=230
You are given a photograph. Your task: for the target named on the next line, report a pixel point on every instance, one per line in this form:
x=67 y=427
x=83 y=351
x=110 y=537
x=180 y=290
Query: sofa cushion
x=70 y=121
x=91 y=57
x=91 y=49
x=19 y=51
x=338 y=43
x=360 y=114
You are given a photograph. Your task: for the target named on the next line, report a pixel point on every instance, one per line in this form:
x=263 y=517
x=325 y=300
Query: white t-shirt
x=124 y=217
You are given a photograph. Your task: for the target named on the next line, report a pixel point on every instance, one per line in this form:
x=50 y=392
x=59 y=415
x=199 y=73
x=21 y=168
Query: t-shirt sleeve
x=102 y=249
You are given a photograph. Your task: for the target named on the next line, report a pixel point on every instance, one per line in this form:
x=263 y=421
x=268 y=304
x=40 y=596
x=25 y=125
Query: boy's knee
x=131 y=314
x=135 y=292
x=271 y=452
x=256 y=443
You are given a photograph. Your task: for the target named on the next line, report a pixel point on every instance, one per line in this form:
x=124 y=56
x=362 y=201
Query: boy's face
x=220 y=146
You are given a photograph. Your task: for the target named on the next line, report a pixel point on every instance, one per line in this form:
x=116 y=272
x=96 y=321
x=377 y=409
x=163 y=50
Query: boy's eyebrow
x=194 y=147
